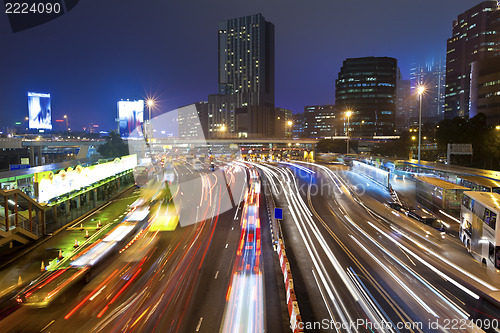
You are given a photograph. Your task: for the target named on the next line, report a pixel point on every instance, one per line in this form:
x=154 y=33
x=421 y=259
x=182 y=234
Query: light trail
x=244 y=310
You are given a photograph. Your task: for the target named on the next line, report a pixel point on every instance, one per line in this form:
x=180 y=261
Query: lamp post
x=420 y=91
x=289 y=124
x=348 y=115
x=223 y=129
x=150 y=103
x=67 y=123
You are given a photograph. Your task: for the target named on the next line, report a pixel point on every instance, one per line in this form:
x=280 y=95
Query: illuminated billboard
x=130 y=116
x=50 y=184
x=40 y=114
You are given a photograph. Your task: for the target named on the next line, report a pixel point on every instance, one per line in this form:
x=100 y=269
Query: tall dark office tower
x=246 y=75
x=430 y=74
x=404 y=105
x=321 y=121
x=367 y=87
x=299 y=123
x=474 y=38
x=192 y=121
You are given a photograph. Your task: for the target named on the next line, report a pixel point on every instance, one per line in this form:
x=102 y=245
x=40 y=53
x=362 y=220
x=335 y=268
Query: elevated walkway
x=21 y=217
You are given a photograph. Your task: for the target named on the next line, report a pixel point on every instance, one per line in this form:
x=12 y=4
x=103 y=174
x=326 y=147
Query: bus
x=83 y=264
x=479 y=226
x=438 y=194
x=477 y=183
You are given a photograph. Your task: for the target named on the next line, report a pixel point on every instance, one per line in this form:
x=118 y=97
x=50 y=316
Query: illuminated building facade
x=475 y=37
x=367 y=87
x=246 y=76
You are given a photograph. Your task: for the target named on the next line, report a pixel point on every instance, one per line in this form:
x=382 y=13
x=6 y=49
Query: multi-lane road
x=363 y=266
x=175 y=281
x=357 y=265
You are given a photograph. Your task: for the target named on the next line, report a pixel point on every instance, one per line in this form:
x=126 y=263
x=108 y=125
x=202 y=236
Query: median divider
x=291 y=298
x=296 y=324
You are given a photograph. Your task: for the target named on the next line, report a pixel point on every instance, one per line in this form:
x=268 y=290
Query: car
x=399 y=207
x=430 y=221
x=433 y=222
x=396 y=206
x=414 y=215
x=197 y=165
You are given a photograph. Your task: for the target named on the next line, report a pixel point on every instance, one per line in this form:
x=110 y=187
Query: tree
x=492 y=150
x=335 y=146
x=399 y=148
x=114 y=146
x=484 y=139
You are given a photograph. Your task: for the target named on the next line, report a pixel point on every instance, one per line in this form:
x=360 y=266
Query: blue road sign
x=19 y=166
x=278 y=213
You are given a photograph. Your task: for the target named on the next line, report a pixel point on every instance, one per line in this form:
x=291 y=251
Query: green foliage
x=114 y=146
x=460 y=130
x=335 y=146
x=485 y=140
x=395 y=148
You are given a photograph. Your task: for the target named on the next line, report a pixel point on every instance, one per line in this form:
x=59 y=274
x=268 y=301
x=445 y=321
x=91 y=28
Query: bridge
x=51 y=146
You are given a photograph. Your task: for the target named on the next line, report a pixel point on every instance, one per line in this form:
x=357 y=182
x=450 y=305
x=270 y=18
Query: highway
x=356 y=270
x=165 y=280
x=357 y=264
x=213 y=294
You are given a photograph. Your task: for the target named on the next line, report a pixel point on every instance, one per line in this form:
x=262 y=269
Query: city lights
x=241 y=211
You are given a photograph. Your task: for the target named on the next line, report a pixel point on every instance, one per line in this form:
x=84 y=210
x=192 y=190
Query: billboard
x=39 y=112
x=130 y=116
x=50 y=184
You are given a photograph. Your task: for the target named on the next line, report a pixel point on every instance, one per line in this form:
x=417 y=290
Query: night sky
x=104 y=51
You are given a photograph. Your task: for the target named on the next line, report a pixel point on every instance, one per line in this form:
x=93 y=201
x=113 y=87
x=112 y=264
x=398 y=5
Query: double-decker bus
x=480 y=227
x=477 y=183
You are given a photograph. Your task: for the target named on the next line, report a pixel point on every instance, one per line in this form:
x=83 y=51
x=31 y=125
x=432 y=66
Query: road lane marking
x=43 y=329
x=323 y=296
x=408 y=257
x=199 y=324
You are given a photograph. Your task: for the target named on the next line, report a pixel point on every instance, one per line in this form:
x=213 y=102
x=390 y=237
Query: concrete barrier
x=291 y=299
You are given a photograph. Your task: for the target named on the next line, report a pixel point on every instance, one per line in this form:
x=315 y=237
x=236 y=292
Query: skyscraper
x=192 y=121
x=488 y=89
x=321 y=121
x=431 y=74
x=246 y=75
x=474 y=38
x=404 y=105
x=367 y=87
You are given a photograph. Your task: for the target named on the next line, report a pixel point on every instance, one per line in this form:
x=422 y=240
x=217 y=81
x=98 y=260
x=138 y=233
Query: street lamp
x=420 y=91
x=222 y=129
x=289 y=124
x=348 y=115
x=150 y=103
x=67 y=124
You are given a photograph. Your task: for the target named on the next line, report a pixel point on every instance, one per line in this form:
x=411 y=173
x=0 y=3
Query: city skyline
x=132 y=57
x=264 y=166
